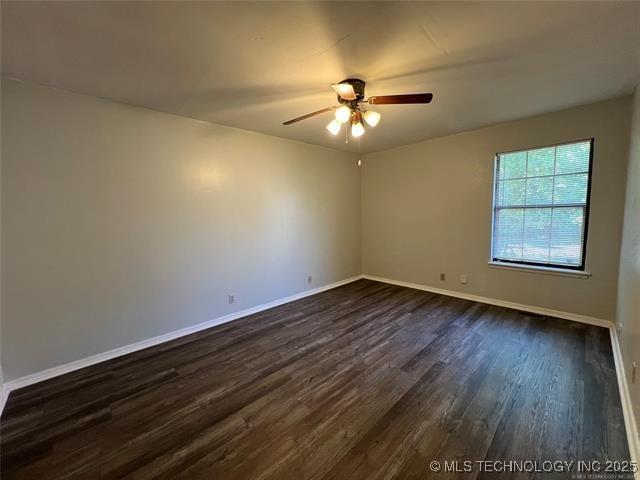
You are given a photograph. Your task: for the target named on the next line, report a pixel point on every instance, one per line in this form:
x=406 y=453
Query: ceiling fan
x=351 y=97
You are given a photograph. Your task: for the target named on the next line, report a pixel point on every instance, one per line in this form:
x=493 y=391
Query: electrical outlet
x=443 y=277
x=634 y=369
x=309 y=279
x=464 y=280
x=232 y=299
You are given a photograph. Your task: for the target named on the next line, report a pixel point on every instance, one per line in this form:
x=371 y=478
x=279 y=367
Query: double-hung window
x=541 y=206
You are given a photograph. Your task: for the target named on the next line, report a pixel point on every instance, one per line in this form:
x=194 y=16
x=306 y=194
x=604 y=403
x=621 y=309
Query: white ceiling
x=255 y=65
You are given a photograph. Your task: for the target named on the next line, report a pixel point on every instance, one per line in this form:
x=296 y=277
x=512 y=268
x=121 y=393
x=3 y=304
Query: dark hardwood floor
x=366 y=381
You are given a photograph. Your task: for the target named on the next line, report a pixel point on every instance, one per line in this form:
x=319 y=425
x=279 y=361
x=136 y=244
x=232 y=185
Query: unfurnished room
x=319 y=240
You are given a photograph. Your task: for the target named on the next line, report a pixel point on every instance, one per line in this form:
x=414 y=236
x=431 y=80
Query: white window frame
x=577 y=271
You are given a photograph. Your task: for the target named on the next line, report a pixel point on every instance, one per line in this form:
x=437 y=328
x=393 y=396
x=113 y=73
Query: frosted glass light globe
x=357 y=129
x=334 y=127
x=343 y=114
x=372 y=118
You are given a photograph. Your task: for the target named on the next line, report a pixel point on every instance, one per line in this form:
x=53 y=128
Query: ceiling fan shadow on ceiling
x=351 y=98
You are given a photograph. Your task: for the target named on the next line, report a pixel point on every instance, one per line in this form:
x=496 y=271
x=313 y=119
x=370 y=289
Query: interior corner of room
x=154 y=203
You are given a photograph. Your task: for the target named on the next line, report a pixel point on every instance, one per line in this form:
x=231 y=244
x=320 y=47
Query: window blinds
x=541 y=205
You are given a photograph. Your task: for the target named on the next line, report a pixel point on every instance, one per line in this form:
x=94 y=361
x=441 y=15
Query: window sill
x=544 y=270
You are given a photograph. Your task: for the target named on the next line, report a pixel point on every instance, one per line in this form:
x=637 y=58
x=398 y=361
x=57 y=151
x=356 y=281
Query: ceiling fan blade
x=399 y=99
x=308 y=115
x=344 y=90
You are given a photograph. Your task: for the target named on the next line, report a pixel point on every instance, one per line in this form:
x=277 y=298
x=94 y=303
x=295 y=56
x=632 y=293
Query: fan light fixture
x=334 y=127
x=344 y=114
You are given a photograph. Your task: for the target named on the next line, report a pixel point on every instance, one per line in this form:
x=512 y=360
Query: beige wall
x=427 y=209
x=629 y=283
x=120 y=224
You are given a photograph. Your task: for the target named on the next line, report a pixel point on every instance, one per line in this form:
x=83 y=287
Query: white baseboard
x=501 y=303
x=625 y=398
x=117 y=352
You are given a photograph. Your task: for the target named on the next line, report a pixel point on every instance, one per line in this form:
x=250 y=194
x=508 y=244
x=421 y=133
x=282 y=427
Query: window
x=541 y=206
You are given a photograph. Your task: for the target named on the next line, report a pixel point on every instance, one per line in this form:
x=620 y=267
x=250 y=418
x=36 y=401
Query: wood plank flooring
x=366 y=381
